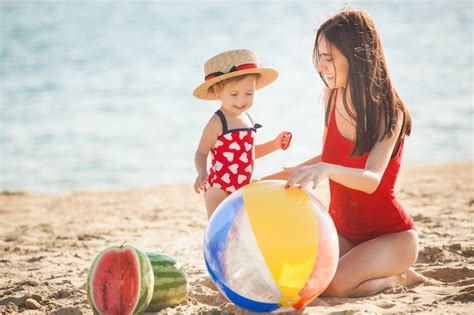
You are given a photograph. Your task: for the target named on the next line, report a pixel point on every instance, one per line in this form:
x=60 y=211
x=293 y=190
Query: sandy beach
x=48 y=241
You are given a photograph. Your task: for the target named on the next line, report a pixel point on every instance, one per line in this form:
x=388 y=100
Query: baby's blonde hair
x=217 y=87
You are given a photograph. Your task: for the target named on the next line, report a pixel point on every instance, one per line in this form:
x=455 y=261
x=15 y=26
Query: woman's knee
x=412 y=240
x=407 y=245
x=336 y=289
x=341 y=285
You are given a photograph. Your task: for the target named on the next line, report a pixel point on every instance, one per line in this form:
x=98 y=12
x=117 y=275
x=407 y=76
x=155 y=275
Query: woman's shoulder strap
x=331 y=103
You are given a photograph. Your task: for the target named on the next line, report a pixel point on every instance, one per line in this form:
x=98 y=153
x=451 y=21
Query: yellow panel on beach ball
x=285 y=226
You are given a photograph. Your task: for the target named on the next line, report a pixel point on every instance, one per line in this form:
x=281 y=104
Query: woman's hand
x=283 y=140
x=303 y=175
x=200 y=182
x=290 y=169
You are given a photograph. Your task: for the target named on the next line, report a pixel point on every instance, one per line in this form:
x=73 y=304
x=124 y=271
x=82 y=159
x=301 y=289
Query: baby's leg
x=213 y=197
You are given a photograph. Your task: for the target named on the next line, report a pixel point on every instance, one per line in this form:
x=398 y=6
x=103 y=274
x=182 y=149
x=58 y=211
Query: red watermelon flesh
x=120 y=281
x=117 y=281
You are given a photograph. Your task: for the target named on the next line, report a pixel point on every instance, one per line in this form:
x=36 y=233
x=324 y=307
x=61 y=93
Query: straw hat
x=230 y=64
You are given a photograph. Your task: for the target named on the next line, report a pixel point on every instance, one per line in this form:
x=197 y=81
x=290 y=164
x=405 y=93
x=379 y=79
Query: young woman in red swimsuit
x=365 y=127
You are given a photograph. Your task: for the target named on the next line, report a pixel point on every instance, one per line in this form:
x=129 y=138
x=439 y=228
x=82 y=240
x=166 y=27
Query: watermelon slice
x=120 y=281
x=171 y=283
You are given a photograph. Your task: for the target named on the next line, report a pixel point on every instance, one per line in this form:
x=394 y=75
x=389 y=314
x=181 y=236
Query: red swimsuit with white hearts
x=232 y=157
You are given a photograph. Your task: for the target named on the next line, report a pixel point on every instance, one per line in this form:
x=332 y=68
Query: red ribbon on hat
x=233 y=69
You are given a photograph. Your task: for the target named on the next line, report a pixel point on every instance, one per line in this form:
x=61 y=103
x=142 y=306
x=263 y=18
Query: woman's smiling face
x=332 y=65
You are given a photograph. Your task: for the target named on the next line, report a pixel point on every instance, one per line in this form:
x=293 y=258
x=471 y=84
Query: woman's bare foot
x=411 y=277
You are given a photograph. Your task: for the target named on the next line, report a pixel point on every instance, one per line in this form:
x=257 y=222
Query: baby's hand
x=283 y=140
x=200 y=182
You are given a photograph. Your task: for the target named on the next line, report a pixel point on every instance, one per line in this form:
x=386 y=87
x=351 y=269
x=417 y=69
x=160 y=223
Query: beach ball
x=271 y=249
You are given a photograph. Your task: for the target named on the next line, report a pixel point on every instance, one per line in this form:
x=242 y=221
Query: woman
x=365 y=127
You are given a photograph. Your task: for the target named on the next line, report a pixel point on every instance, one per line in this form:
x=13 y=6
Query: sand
x=48 y=241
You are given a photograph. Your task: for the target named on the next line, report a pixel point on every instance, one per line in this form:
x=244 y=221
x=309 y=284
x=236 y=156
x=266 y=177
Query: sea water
x=98 y=95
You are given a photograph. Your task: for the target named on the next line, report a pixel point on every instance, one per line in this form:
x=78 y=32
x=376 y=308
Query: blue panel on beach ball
x=217 y=234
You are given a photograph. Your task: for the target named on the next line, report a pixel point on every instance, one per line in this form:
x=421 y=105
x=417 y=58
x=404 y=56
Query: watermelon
x=120 y=281
x=171 y=282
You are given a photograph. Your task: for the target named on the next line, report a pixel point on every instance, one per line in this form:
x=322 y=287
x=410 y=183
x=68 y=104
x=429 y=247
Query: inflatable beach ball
x=271 y=249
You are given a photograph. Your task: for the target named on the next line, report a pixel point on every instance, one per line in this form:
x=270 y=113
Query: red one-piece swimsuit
x=359 y=216
x=232 y=157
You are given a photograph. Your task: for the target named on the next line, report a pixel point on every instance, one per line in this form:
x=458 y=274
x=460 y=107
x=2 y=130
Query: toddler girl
x=231 y=77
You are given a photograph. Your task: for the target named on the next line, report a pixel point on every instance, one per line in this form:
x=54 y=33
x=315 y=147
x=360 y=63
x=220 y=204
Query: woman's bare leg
x=376 y=265
x=344 y=246
x=373 y=286
x=213 y=197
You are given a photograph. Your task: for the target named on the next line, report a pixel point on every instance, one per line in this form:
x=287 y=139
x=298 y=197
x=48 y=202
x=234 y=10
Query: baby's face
x=237 y=95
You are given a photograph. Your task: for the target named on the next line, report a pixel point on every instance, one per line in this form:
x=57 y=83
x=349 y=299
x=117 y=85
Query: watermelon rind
x=171 y=282
x=146 y=278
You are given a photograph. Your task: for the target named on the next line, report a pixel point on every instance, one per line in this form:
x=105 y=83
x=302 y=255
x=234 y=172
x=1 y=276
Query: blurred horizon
x=98 y=95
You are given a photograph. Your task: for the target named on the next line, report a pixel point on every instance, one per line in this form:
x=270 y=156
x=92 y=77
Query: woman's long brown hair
x=375 y=102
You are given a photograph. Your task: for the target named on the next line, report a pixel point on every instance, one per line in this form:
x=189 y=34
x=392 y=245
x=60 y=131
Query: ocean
x=98 y=95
